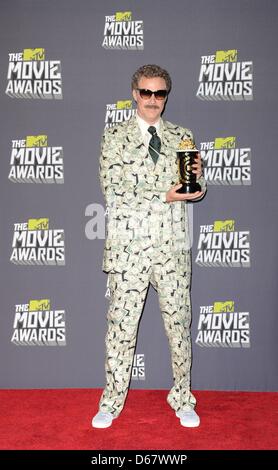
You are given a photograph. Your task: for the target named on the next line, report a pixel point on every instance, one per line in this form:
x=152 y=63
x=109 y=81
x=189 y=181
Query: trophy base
x=189 y=188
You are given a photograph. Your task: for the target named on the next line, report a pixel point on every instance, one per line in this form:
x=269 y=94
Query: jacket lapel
x=134 y=148
x=169 y=144
x=133 y=136
x=134 y=143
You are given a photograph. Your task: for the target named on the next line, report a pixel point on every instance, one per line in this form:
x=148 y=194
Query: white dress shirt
x=144 y=129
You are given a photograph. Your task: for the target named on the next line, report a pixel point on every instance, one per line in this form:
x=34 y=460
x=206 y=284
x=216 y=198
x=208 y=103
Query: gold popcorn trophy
x=186 y=155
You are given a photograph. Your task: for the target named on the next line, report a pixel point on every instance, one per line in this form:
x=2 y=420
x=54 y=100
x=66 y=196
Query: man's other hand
x=172 y=195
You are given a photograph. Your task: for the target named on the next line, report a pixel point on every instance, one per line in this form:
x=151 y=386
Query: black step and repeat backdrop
x=65 y=76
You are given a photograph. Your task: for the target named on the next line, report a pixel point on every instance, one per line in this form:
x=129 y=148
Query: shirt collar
x=145 y=125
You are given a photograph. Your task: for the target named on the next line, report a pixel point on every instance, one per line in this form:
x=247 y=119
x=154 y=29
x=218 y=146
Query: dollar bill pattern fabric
x=147 y=241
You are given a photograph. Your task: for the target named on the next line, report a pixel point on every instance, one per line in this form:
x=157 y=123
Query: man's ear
x=134 y=94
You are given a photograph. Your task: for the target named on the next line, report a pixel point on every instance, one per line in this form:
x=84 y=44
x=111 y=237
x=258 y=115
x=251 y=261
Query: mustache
x=151 y=106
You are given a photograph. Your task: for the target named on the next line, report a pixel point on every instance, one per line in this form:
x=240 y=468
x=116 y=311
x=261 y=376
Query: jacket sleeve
x=202 y=182
x=117 y=191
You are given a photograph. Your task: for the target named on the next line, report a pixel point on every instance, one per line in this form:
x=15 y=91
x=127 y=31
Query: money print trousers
x=170 y=275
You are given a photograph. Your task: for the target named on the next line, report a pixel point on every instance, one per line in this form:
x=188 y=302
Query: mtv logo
x=123 y=16
x=125 y=104
x=39 y=305
x=224 y=142
x=226 y=56
x=36 y=141
x=227 y=306
x=38 y=224
x=224 y=226
x=34 y=54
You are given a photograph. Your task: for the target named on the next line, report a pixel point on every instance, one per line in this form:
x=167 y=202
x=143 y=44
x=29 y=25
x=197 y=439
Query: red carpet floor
x=61 y=419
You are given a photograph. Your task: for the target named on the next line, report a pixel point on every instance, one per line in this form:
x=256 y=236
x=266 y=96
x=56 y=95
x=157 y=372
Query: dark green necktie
x=155 y=144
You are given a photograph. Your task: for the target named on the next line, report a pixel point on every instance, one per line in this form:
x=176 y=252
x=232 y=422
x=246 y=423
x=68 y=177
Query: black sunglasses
x=146 y=94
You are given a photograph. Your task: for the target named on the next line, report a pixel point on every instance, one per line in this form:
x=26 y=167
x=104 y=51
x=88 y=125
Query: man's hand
x=197 y=167
x=172 y=195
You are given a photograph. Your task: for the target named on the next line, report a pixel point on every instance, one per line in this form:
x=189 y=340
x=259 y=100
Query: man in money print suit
x=146 y=242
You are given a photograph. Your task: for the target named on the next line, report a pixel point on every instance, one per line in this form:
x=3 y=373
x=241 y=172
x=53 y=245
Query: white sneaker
x=189 y=419
x=102 y=420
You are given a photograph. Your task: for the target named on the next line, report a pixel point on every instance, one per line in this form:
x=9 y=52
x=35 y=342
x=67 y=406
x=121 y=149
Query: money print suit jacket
x=135 y=193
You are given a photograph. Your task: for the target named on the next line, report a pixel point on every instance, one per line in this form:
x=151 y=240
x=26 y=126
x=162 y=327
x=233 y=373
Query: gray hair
x=150 y=71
